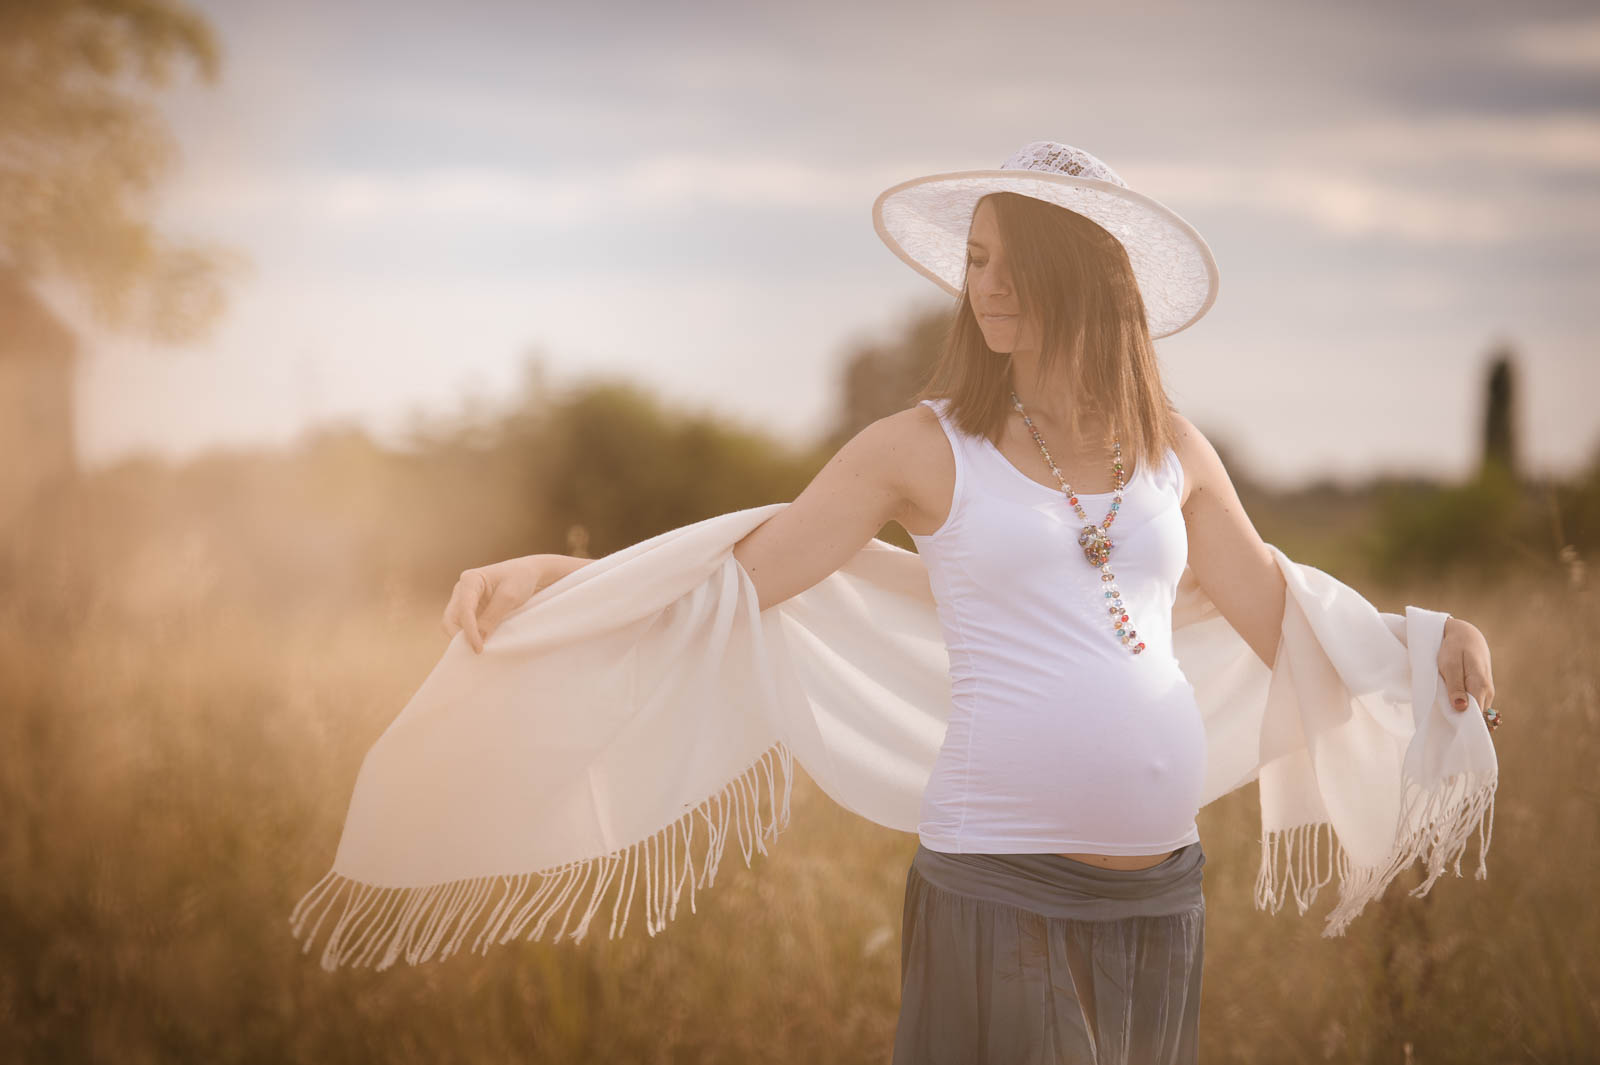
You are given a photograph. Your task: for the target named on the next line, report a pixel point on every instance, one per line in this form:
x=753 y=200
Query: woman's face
x=989 y=289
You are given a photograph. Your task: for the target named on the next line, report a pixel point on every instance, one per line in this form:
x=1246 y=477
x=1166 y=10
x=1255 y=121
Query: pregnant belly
x=1110 y=781
x=1119 y=794
x=1114 y=781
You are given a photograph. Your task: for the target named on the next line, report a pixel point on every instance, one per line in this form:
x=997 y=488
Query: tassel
x=1444 y=819
x=376 y=926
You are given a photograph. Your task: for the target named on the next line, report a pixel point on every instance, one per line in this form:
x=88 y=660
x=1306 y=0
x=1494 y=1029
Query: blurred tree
x=79 y=148
x=610 y=457
x=879 y=378
x=1499 y=417
x=1489 y=522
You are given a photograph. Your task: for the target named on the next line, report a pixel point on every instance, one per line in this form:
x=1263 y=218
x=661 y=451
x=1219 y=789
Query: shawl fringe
x=381 y=925
x=1444 y=818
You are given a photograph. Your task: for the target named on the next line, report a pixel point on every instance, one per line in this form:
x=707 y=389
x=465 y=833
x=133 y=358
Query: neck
x=1050 y=406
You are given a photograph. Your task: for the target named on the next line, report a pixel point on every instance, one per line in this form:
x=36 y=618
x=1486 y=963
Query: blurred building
x=37 y=367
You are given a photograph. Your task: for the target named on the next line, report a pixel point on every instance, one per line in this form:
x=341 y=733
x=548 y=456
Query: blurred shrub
x=1423 y=531
x=613 y=460
x=1492 y=524
x=342 y=520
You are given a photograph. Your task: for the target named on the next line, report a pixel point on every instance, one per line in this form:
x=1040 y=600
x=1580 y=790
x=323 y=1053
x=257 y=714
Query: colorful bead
x=1096 y=545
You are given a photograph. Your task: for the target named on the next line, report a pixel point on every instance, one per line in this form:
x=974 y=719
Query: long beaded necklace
x=1093 y=539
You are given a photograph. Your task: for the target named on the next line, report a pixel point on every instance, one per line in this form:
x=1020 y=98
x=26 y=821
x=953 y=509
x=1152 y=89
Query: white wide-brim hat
x=926 y=222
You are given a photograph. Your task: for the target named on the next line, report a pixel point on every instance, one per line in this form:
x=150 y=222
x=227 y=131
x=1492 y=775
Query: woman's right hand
x=484 y=596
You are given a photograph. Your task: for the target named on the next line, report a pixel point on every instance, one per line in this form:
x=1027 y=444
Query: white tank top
x=1059 y=738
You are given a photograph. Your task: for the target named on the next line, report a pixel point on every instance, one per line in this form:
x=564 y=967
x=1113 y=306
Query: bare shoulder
x=922 y=466
x=900 y=440
x=894 y=453
x=858 y=491
x=1203 y=472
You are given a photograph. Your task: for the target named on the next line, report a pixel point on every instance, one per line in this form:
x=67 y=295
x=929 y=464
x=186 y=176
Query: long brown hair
x=1075 y=278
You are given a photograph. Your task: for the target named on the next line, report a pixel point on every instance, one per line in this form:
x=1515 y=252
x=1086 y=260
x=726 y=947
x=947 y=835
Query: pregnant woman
x=1053 y=909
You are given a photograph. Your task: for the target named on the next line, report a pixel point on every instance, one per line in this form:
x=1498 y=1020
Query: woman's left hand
x=1464 y=664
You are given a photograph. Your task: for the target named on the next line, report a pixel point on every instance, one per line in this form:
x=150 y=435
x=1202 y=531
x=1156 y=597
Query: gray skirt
x=1008 y=959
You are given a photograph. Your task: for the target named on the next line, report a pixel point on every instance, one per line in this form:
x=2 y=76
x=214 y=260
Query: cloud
x=652 y=183
x=1552 y=143
x=1340 y=204
x=1465 y=180
x=1567 y=44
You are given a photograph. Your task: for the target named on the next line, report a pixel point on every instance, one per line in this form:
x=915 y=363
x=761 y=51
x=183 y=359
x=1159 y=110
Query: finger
x=452 y=611
x=1478 y=684
x=470 y=588
x=495 y=610
x=1458 y=686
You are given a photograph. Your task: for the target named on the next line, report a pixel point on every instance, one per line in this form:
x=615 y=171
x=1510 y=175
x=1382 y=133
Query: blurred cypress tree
x=1499 y=416
x=1489 y=522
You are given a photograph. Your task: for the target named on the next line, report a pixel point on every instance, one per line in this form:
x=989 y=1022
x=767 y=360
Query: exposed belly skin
x=1120 y=861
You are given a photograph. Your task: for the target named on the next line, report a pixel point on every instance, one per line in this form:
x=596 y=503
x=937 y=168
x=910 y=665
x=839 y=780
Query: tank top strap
x=1167 y=474
x=1177 y=473
x=965 y=452
x=965 y=446
x=978 y=462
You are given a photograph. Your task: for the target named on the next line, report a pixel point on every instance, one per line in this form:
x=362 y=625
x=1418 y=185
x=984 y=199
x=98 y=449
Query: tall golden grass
x=189 y=678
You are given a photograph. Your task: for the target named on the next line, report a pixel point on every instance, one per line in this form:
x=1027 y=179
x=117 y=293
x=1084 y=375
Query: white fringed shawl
x=622 y=720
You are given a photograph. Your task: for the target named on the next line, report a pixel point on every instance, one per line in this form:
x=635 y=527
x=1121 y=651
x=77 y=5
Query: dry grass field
x=181 y=725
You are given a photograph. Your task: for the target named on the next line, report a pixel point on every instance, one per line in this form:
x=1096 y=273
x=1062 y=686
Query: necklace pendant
x=1096 y=547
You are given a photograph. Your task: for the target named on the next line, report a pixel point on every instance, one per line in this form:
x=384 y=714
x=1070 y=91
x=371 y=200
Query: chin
x=1000 y=345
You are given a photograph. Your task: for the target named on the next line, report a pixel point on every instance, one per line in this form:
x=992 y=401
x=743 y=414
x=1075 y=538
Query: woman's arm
x=860 y=490
x=855 y=495
x=557 y=566
x=1235 y=569
x=1230 y=561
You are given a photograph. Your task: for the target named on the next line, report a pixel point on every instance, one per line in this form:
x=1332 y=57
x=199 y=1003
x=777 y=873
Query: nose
x=993 y=282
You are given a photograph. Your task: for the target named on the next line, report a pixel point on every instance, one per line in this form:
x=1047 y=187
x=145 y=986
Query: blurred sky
x=681 y=193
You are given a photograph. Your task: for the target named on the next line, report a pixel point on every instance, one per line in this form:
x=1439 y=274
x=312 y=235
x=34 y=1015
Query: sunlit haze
x=681 y=194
